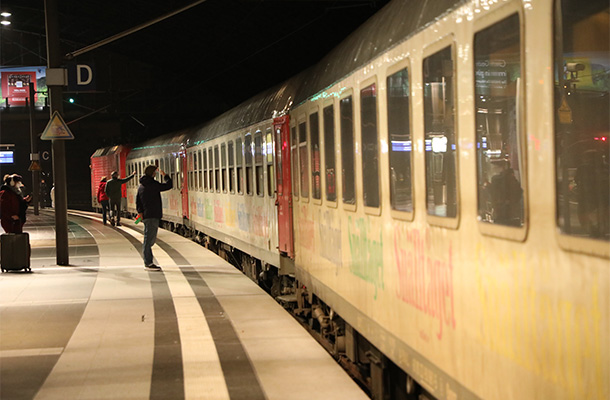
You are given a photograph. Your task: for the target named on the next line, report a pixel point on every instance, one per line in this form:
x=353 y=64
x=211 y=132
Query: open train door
x=184 y=190
x=281 y=127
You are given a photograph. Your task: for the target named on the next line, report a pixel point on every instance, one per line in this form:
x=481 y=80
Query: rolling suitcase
x=15 y=252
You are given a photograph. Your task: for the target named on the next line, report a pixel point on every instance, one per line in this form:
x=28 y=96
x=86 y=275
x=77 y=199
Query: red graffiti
x=425 y=282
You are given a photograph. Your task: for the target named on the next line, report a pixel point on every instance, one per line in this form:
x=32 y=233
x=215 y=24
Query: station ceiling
x=186 y=68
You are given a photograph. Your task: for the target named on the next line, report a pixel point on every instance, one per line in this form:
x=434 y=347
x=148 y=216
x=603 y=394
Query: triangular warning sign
x=35 y=166
x=56 y=129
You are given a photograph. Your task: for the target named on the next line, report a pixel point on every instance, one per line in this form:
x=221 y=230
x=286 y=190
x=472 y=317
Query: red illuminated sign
x=16 y=86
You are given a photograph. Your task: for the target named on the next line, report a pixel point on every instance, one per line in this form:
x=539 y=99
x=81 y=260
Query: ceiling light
x=5 y=22
x=5 y=14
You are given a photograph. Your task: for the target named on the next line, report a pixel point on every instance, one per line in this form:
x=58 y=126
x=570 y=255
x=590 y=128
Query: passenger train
x=431 y=198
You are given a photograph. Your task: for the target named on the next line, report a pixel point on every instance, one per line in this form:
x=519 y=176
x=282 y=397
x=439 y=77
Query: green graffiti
x=209 y=210
x=366 y=253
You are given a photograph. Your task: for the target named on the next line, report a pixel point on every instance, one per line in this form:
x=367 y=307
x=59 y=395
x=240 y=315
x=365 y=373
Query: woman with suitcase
x=13 y=205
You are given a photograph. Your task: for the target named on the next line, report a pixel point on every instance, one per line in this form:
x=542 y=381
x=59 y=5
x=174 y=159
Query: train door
x=184 y=190
x=281 y=127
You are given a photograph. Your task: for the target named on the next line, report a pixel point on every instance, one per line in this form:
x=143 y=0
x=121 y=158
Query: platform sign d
x=56 y=129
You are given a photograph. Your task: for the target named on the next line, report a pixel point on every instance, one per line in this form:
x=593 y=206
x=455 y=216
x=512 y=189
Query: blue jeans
x=151 y=226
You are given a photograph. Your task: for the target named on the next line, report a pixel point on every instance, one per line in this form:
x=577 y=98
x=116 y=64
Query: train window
x=204 y=169
x=248 y=160
x=211 y=168
x=216 y=169
x=157 y=176
x=582 y=123
x=270 y=170
x=329 y=152
x=497 y=55
x=295 y=161
x=304 y=167
x=258 y=163
x=195 y=169
x=200 y=170
x=238 y=162
x=440 y=139
x=231 y=167
x=223 y=157
x=347 y=150
x=190 y=169
x=399 y=131
x=370 y=146
x=314 y=134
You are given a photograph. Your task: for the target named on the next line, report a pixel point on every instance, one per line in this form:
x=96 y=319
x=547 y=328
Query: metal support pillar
x=54 y=57
x=34 y=152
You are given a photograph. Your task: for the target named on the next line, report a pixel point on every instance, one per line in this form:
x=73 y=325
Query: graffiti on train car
x=243 y=218
x=260 y=222
x=200 y=207
x=218 y=212
x=533 y=328
x=366 y=251
x=173 y=203
x=425 y=278
x=209 y=211
x=306 y=229
x=330 y=239
x=230 y=215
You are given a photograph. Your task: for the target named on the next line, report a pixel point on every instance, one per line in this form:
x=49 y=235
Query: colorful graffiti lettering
x=330 y=239
x=366 y=252
x=425 y=282
x=209 y=211
x=260 y=222
x=306 y=230
x=230 y=215
x=218 y=212
x=243 y=218
x=554 y=337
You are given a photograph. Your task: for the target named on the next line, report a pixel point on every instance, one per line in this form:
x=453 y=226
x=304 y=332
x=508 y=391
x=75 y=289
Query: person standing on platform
x=149 y=205
x=102 y=197
x=114 y=193
x=52 y=195
x=13 y=205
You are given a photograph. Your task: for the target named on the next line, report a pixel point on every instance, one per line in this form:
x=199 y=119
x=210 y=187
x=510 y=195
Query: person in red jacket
x=13 y=205
x=102 y=197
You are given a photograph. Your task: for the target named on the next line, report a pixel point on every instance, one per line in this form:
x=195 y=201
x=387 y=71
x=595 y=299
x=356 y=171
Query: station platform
x=106 y=328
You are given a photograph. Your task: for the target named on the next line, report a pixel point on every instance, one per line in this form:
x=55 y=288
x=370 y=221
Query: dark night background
x=177 y=73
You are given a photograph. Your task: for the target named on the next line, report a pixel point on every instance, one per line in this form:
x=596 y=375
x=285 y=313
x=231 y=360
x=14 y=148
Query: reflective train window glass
x=314 y=132
x=582 y=124
x=304 y=167
x=370 y=147
x=270 y=170
x=200 y=172
x=329 y=153
x=258 y=163
x=347 y=150
x=231 y=167
x=223 y=157
x=239 y=163
x=400 y=148
x=439 y=138
x=216 y=169
x=295 y=161
x=211 y=168
x=248 y=159
x=204 y=166
x=497 y=76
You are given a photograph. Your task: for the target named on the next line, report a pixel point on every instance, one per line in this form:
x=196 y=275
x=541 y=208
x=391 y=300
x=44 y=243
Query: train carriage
x=432 y=197
x=103 y=162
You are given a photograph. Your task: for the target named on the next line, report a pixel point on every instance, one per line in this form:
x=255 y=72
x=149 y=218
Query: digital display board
x=6 y=157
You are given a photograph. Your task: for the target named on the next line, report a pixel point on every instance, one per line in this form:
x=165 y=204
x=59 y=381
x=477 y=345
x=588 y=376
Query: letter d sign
x=81 y=77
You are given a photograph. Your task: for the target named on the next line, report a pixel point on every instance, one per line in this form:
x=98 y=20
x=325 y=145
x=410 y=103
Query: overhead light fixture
x=5 y=14
x=5 y=22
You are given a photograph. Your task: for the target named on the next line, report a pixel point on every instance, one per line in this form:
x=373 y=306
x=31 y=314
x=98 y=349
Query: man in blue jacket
x=148 y=204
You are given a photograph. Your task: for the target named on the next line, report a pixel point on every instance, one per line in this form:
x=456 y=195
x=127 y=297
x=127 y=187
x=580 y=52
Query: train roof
x=168 y=143
x=394 y=24
x=104 y=151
